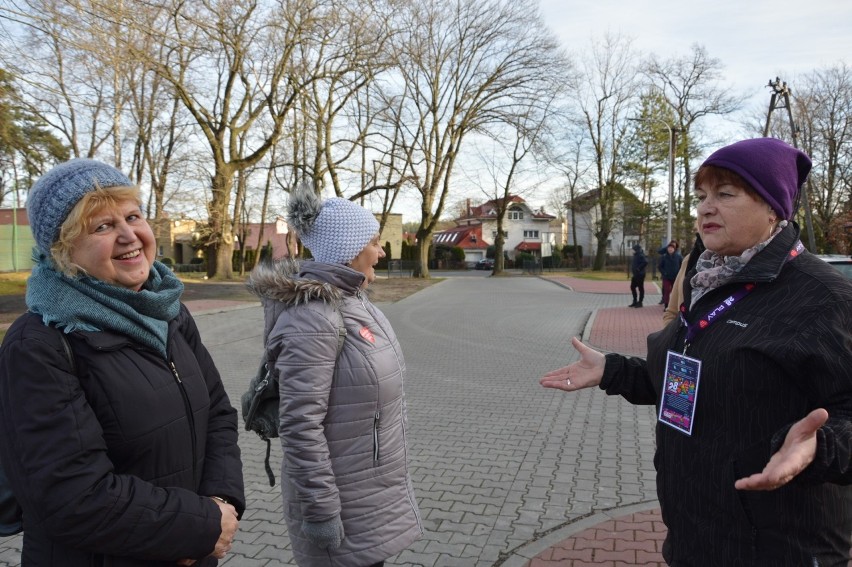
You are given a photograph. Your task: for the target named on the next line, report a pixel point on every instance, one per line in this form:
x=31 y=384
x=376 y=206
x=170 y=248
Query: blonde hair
x=77 y=222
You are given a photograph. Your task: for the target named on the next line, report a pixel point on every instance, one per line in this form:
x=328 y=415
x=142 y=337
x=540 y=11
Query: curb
x=220 y=308
x=522 y=555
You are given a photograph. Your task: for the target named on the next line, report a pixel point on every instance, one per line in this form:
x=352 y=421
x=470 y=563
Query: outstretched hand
x=797 y=452
x=585 y=373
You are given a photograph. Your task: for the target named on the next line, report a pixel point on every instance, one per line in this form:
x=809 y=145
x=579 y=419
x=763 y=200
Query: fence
x=400 y=268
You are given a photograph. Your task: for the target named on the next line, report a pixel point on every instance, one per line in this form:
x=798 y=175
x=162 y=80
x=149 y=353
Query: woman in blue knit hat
x=753 y=388
x=345 y=480
x=116 y=433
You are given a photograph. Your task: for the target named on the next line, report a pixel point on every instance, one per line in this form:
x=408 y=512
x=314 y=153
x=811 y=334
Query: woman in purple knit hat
x=753 y=387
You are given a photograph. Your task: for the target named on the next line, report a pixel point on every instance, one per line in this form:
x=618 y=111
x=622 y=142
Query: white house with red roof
x=524 y=229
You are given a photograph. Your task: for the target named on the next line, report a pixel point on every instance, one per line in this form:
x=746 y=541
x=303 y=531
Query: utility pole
x=781 y=99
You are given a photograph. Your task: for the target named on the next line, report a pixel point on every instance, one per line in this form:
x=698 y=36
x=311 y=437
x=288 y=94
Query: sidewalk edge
x=522 y=555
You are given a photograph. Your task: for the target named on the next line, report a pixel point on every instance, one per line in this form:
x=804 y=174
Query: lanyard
x=699 y=326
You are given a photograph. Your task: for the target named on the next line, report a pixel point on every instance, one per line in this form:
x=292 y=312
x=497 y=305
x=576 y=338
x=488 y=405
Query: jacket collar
x=764 y=267
x=292 y=283
x=767 y=264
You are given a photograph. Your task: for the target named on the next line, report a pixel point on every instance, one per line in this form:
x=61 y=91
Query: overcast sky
x=756 y=40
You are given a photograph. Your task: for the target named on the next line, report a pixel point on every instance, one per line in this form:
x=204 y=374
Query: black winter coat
x=779 y=353
x=639 y=263
x=112 y=463
x=669 y=265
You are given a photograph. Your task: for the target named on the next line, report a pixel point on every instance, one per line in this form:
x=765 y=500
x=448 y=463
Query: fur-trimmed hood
x=294 y=283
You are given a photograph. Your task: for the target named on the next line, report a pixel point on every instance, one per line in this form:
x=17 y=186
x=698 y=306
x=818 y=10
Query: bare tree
x=691 y=85
x=521 y=137
x=235 y=66
x=72 y=81
x=606 y=96
x=823 y=112
x=461 y=63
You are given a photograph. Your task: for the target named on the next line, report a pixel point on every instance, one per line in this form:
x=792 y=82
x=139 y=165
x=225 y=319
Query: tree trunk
x=421 y=269
x=221 y=239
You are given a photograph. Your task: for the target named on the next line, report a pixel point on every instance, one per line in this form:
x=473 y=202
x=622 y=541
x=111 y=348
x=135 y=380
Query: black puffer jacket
x=781 y=352
x=109 y=462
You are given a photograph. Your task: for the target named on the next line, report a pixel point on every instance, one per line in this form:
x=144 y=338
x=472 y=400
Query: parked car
x=842 y=263
x=485 y=264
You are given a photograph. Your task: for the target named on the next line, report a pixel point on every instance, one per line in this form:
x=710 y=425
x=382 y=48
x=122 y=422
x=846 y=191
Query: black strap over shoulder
x=261 y=400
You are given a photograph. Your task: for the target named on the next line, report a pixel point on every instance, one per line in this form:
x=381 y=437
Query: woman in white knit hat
x=116 y=433
x=348 y=497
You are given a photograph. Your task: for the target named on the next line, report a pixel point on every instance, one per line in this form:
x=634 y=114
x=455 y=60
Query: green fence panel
x=16 y=248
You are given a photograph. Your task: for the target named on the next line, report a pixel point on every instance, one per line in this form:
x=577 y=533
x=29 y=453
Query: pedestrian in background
x=348 y=496
x=637 y=281
x=118 y=440
x=669 y=265
x=753 y=385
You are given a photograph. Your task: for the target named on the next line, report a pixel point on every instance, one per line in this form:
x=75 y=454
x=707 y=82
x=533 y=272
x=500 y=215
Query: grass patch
x=390 y=290
x=13 y=283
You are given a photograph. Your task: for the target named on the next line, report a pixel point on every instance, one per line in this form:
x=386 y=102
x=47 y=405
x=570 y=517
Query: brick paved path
x=501 y=466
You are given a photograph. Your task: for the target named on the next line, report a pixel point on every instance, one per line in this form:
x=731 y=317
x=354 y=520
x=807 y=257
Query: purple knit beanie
x=775 y=169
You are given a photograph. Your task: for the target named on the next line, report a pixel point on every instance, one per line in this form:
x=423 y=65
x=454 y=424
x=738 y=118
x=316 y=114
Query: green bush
x=408 y=251
x=568 y=251
x=194 y=261
x=167 y=261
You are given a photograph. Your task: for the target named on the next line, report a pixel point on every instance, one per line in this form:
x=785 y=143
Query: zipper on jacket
x=411 y=499
x=376 y=436
x=360 y=297
x=190 y=419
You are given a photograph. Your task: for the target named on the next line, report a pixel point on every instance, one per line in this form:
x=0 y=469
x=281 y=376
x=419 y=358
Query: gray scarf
x=714 y=270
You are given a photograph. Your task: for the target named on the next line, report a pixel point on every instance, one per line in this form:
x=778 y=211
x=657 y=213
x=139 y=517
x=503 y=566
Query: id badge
x=680 y=392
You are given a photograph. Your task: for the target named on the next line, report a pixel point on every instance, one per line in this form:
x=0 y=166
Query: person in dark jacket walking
x=121 y=450
x=669 y=265
x=348 y=496
x=637 y=281
x=753 y=386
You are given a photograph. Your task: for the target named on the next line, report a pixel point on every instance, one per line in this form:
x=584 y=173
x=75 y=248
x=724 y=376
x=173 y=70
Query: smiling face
x=116 y=245
x=367 y=259
x=731 y=218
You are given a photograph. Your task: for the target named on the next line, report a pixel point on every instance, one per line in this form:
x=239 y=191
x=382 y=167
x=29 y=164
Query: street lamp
x=672 y=145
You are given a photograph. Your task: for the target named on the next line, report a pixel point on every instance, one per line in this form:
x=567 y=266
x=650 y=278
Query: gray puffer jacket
x=342 y=418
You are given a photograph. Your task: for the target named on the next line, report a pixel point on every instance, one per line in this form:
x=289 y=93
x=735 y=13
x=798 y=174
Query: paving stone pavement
x=505 y=471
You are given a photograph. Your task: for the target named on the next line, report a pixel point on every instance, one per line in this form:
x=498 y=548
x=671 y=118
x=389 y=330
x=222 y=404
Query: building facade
x=582 y=222
x=524 y=230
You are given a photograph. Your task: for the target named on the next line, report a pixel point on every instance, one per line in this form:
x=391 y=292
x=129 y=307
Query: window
x=494 y=234
x=530 y=234
x=516 y=214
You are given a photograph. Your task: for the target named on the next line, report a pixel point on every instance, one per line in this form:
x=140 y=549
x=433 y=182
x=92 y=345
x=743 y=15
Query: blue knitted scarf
x=85 y=303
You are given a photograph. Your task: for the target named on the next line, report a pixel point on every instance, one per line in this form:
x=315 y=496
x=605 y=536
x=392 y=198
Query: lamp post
x=672 y=145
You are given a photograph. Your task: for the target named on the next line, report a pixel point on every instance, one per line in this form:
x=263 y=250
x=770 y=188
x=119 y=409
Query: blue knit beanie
x=54 y=195
x=334 y=230
x=775 y=169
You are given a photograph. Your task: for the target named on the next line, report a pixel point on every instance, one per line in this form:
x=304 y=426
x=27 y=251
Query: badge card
x=680 y=392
